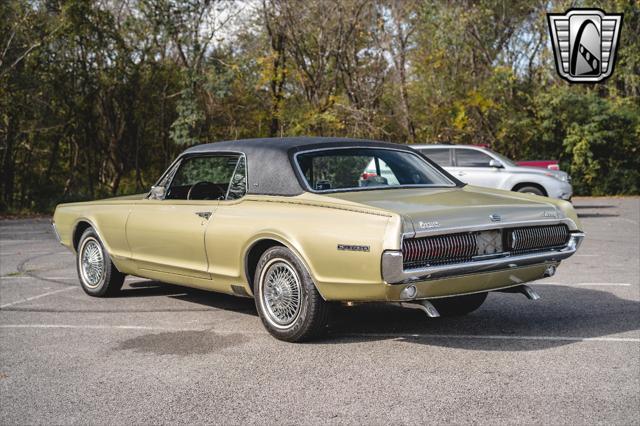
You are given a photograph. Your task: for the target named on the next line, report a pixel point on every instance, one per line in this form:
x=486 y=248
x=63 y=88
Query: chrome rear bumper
x=394 y=273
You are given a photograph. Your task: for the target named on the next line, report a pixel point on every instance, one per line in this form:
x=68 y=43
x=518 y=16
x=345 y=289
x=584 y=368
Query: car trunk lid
x=450 y=208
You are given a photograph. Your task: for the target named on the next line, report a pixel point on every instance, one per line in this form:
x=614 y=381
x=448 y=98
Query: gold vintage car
x=297 y=223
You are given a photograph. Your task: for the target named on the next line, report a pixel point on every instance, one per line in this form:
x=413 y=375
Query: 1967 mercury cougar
x=296 y=223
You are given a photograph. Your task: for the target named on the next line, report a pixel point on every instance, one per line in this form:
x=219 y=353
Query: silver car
x=483 y=167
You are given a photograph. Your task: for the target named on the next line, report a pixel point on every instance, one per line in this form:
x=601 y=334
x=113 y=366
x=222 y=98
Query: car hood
x=441 y=209
x=539 y=171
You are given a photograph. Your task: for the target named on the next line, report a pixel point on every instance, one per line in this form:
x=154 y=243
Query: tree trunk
x=404 y=102
x=277 y=83
x=8 y=156
x=277 y=41
x=401 y=68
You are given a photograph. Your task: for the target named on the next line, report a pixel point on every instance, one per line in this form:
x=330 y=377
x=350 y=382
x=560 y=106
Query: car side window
x=471 y=158
x=238 y=185
x=440 y=156
x=203 y=178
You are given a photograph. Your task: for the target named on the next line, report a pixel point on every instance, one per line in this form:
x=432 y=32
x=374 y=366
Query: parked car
x=483 y=167
x=293 y=224
x=543 y=164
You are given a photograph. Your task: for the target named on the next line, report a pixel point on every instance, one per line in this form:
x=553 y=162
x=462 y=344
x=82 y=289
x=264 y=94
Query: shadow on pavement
x=593 y=206
x=201 y=297
x=581 y=215
x=563 y=312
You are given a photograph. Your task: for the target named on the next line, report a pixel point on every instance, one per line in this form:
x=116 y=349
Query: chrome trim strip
x=490 y=226
x=55 y=231
x=394 y=273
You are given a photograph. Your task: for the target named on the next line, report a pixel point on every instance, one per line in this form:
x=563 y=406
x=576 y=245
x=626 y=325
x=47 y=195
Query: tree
x=97 y=97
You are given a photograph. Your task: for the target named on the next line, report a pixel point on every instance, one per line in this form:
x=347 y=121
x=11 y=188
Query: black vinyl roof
x=270 y=169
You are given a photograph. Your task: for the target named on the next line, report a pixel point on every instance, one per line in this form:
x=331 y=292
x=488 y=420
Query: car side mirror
x=157 y=192
x=496 y=164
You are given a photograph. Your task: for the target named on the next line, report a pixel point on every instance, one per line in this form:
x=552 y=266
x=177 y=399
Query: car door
x=168 y=234
x=227 y=234
x=472 y=166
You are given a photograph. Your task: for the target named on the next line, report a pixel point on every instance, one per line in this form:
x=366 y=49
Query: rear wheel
x=531 y=190
x=98 y=275
x=459 y=305
x=287 y=301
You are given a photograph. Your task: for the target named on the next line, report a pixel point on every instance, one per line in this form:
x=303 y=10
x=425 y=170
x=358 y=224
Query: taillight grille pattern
x=533 y=238
x=440 y=249
x=464 y=247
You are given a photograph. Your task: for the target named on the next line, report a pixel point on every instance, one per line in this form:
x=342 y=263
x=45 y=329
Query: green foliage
x=97 y=98
x=206 y=169
x=184 y=129
x=604 y=148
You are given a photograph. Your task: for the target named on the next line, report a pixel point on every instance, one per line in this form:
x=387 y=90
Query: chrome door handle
x=461 y=173
x=204 y=215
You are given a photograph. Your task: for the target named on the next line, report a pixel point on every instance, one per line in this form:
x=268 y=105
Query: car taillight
x=553 y=167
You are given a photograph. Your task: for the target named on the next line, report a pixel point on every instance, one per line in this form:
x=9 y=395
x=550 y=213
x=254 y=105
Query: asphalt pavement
x=168 y=354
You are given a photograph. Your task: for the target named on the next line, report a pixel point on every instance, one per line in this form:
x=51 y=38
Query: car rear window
x=367 y=168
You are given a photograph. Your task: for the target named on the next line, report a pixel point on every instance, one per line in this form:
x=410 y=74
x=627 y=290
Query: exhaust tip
x=529 y=292
x=423 y=305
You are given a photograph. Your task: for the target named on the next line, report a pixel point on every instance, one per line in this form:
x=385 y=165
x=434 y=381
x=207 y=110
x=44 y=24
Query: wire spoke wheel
x=92 y=263
x=281 y=293
x=288 y=303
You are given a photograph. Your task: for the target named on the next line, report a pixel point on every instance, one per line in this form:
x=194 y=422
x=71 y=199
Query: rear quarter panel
x=310 y=229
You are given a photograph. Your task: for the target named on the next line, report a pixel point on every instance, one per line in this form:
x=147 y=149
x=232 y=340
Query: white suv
x=483 y=167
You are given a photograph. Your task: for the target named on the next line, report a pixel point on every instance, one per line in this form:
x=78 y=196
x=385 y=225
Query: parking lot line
x=587 y=284
x=98 y=327
x=18 y=253
x=27 y=277
x=131 y=279
x=603 y=284
x=36 y=297
x=498 y=337
x=23 y=232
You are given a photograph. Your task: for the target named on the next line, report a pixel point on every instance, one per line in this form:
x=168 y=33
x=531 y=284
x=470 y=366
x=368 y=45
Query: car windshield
x=367 y=168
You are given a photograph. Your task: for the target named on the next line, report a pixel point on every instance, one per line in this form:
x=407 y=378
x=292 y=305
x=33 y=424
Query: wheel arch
x=519 y=185
x=256 y=248
x=78 y=229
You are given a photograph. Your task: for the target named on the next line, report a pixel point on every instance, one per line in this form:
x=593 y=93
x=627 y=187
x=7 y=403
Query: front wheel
x=287 y=300
x=531 y=190
x=459 y=305
x=98 y=275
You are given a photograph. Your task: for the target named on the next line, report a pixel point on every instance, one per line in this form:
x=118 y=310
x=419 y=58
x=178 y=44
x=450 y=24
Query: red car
x=544 y=164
